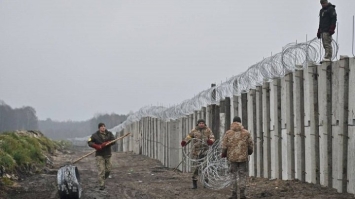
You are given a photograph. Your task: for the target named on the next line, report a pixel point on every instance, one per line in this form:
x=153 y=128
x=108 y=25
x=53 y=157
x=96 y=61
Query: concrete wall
x=266 y=130
x=251 y=122
x=351 y=130
x=311 y=127
x=302 y=125
x=259 y=132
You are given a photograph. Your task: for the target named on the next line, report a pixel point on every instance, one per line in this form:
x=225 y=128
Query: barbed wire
x=294 y=56
x=213 y=170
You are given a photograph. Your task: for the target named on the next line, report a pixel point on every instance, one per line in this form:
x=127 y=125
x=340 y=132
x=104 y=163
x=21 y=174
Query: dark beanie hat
x=201 y=120
x=100 y=125
x=237 y=119
x=323 y=1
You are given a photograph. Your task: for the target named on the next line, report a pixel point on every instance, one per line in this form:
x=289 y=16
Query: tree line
x=25 y=118
x=69 y=129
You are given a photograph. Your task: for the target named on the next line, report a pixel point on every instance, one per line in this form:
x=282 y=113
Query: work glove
x=209 y=142
x=318 y=34
x=183 y=143
x=332 y=29
x=97 y=147
x=224 y=155
x=104 y=144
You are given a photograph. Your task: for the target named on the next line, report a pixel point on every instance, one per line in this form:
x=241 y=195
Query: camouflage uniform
x=103 y=156
x=104 y=166
x=237 y=144
x=327 y=24
x=199 y=144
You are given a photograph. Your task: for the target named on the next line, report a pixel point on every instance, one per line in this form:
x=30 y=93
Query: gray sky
x=72 y=59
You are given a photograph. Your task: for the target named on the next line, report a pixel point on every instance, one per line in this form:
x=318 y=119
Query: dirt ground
x=136 y=176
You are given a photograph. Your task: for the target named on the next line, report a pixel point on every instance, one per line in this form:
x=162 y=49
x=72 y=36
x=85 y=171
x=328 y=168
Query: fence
x=302 y=125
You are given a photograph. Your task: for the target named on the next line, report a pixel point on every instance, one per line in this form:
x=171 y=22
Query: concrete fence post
x=278 y=129
x=235 y=107
x=340 y=110
x=288 y=159
x=311 y=125
x=160 y=141
x=251 y=109
x=259 y=131
x=209 y=116
x=244 y=109
x=298 y=90
x=144 y=137
x=227 y=104
x=351 y=129
x=222 y=119
x=168 y=137
x=325 y=125
x=203 y=113
x=266 y=129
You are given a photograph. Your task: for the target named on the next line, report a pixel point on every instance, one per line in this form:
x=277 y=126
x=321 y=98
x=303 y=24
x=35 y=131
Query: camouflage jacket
x=199 y=144
x=236 y=143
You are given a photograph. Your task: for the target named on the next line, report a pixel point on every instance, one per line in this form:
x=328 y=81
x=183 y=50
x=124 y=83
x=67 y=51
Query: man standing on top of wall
x=101 y=142
x=202 y=138
x=327 y=23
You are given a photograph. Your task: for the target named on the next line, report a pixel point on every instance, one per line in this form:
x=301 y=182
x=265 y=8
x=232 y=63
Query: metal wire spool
x=68 y=182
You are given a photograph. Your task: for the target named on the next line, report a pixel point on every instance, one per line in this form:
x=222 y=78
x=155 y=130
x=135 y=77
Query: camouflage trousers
x=196 y=165
x=327 y=44
x=104 y=166
x=239 y=171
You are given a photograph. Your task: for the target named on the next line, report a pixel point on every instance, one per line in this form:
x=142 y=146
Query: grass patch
x=63 y=144
x=7 y=161
x=6 y=181
x=20 y=149
x=23 y=149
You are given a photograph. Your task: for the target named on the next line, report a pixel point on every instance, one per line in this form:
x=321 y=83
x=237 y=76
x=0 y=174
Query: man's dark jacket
x=327 y=18
x=97 y=138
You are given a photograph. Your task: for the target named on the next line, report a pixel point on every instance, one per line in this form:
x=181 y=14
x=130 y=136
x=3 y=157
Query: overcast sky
x=73 y=59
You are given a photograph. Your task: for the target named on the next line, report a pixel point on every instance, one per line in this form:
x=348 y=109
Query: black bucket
x=68 y=181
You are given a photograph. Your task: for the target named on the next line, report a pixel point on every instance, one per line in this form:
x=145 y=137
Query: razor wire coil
x=294 y=56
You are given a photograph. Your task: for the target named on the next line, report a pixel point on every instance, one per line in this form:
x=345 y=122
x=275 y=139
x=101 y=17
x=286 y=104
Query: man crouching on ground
x=100 y=141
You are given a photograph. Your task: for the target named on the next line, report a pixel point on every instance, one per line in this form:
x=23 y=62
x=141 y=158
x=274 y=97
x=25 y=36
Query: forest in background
x=70 y=129
x=25 y=118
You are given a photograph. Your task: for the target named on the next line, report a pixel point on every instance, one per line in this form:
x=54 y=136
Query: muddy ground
x=136 y=176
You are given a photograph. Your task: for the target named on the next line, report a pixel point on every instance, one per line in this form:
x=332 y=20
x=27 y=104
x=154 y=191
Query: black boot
x=194 y=184
x=233 y=196
x=107 y=174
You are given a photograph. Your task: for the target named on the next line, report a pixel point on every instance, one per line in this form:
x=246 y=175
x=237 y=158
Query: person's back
x=237 y=144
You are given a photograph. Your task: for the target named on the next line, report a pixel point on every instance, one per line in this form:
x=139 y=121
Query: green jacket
x=98 y=138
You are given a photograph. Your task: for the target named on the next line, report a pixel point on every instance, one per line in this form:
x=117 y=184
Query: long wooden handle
x=82 y=157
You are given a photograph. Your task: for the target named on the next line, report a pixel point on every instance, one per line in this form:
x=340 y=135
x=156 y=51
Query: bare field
x=139 y=177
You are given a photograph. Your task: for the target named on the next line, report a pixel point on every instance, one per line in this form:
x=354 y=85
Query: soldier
x=203 y=137
x=100 y=141
x=327 y=23
x=237 y=144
